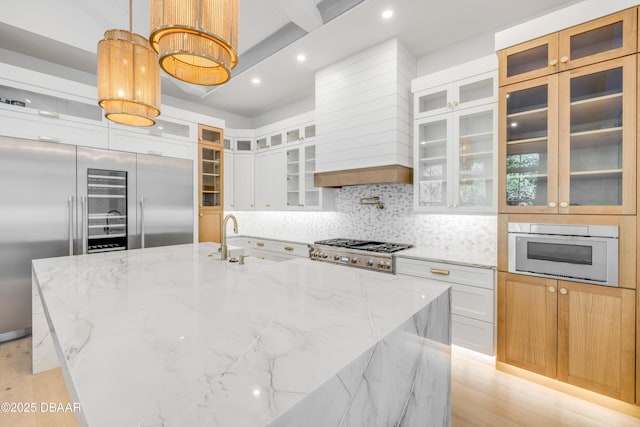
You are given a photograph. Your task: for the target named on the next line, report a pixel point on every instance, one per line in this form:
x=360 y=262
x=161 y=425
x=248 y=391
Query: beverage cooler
x=60 y=200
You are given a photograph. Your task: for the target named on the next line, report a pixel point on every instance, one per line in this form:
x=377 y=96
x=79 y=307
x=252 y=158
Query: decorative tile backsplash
x=395 y=223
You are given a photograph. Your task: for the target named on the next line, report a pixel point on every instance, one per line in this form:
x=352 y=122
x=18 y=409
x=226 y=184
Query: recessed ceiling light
x=301 y=58
x=255 y=81
x=387 y=14
x=160 y=128
x=514 y=124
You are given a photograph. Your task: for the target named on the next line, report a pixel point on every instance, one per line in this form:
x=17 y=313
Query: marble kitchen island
x=175 y=337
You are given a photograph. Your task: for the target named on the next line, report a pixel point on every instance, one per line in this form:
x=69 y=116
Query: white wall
x=301 y=106
x=455 y=54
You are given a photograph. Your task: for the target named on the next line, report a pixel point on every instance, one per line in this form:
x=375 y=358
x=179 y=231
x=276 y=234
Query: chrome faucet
x=223 y=244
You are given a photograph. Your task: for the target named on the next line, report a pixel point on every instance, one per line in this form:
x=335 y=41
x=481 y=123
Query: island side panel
x=43 y=353
x=404 y=380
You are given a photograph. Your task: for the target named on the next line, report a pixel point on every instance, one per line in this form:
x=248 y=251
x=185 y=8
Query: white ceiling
x=66 y=32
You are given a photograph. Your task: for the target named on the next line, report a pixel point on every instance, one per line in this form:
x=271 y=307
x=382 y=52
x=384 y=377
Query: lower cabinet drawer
x=469 y=301
x=291 y=249
x=472 y=334
x=472 y=276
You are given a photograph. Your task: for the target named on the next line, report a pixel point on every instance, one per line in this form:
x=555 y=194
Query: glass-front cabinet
x=470 y=92
x=301 y=165
x=528 y=148
x=455 y=157
x=568 y=141
x=597 y=150
x=210 y=183
x=609 y=37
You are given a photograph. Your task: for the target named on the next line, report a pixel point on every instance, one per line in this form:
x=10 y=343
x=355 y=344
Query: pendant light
x=128 y=78
x=196 y=40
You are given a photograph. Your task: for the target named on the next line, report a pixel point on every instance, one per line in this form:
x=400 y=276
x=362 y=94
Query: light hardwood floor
x=481 y=396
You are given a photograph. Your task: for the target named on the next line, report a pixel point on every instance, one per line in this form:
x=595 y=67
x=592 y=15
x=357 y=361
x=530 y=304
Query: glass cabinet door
x=529 y=60
x=597 y=140
x=433 y=101
x=606 y=38
x=433 y=172
x=209 y=134
x=210 y=176
x=476 y=151
x=528 y=146
x=294 y=197
x=311 y=192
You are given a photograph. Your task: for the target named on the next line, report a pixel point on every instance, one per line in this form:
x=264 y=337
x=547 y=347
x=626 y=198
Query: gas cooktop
x=364 y=245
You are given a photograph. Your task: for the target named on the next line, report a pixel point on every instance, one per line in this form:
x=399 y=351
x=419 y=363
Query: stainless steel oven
x=582 y=253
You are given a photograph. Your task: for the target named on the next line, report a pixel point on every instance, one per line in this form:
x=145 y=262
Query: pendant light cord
x=130 y=17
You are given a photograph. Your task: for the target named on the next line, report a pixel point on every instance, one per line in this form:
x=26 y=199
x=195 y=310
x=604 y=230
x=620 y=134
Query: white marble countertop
x=170 y=336
x=471 y=256
x=462 y=255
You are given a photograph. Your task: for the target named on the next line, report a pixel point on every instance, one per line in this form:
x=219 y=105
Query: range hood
x=392 y=174
x=364 y=118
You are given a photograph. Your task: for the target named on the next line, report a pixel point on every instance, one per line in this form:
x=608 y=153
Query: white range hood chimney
x=364 y=118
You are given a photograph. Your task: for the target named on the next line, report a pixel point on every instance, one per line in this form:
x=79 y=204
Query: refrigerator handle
x=142 y=222
x=70 y=202
x=84 y=225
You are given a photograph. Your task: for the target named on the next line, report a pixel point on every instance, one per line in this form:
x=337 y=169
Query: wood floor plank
x=481 y=396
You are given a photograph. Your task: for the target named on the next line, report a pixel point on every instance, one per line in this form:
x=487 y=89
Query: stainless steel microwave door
x=37 y=190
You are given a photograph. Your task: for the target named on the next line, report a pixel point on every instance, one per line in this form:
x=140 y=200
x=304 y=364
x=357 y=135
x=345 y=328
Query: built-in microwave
x=582 y=253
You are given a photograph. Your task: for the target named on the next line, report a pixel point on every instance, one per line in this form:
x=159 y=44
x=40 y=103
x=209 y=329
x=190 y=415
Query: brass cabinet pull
x=288 y=248
x=439 y=271
x=267 y=205
x=552 y=289
x=260 y=244
x=563 y=291
x=553 y=62
x=564 y=59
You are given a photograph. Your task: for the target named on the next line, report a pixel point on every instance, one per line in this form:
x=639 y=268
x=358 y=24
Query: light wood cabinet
x=580 y=334
x=609 y=37
x=567 y=142
x=210 y=183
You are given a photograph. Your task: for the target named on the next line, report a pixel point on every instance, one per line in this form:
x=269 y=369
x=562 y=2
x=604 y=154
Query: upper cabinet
x=612 y=36
x=568 y=141
x=466 y=93
x=455 y=140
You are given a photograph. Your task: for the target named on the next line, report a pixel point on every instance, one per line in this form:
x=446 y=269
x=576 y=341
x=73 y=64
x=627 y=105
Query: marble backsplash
x=397 y=222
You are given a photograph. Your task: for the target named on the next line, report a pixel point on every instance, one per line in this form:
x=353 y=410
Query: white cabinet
x=269 y=180
x=455 y=161
x=461 y=94
x=301 y=192
x=228 y=179
x=455 y=139
x=277 y=250
x=27 y=113
x=243 y=181
x=473 y=299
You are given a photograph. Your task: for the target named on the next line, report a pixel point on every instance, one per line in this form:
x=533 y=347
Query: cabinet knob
x=564 y=204
x=455 y=205
x=563 y=291
x=552 y=204
x=201 y=214
x=552 y=289
x=449 y=105
x=564 y=59
x=455 y=103
x=267 y=205
x=553 y=62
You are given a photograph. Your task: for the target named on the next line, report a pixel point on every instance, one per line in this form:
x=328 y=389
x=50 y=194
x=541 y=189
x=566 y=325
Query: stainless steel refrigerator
x=58 y=200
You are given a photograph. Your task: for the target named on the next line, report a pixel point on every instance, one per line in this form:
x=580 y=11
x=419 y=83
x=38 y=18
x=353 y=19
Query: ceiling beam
x=303 y=13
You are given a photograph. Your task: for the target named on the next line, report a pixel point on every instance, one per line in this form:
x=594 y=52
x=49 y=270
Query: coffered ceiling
x=271 y=35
